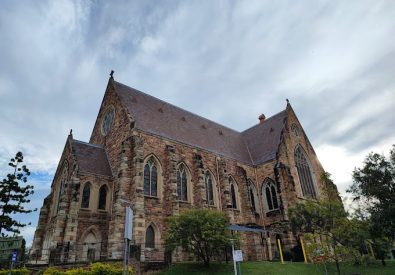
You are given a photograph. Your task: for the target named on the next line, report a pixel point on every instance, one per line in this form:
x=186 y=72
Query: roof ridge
x=87 y=143
x=179 y=108
x=259 y=124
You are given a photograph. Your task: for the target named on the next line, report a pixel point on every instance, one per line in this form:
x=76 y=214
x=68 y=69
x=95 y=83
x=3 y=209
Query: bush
x=17 y=271
x=94 y=269
x=77 y=271
x=52 y=271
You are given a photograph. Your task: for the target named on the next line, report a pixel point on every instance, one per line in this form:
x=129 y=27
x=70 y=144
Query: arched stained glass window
x=274 y=197
x=154 y=181
x=182 y=188
x=150 y=179
x=150 y=237
x=269 y=192
x=147 y=179
x=304 y=173
x=295 y=130
x=107 y=120
x=209 y=188
x=86 y=192
x=269 y=198
x=102 y=197
x=233 y=193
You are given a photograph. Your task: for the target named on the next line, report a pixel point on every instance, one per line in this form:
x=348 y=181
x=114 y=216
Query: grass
x=276 y=268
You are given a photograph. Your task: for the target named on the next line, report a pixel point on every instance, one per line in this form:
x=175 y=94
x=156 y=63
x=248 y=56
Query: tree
x=14 y=194
x=200 y=231
x=374 y=184
x=325 y=222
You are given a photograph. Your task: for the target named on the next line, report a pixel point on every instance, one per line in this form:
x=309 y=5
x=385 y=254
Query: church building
x=160 y=160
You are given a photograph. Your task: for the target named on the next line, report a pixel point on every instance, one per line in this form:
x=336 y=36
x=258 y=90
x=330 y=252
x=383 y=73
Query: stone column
x=170 y=198
x=120 y=200
x=249 y=216
x=285 y=187
x=225 y=189
x=199 y=188
x=70 y=236
x=39 y=234
x=137 y=190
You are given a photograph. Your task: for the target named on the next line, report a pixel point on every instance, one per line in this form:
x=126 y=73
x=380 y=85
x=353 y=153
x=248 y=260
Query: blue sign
x=13 y=259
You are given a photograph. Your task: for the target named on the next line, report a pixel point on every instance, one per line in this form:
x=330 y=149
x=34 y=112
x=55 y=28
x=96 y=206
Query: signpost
x=237 y=257
x=13 y=260
x=128 y=236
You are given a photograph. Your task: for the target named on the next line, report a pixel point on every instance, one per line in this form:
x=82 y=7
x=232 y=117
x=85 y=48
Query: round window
x=107 y=120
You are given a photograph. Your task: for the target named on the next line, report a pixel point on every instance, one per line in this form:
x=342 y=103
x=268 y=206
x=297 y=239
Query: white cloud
x=227 y=61
x=340 y=162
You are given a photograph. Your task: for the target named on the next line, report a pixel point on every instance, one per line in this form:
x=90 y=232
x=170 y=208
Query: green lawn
x=275 y=268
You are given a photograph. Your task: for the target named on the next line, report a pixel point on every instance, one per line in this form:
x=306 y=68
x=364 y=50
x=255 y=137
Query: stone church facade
x=161 y=159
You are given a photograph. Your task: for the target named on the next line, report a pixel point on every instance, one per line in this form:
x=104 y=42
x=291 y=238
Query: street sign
x=238 y=255
x=13 y=258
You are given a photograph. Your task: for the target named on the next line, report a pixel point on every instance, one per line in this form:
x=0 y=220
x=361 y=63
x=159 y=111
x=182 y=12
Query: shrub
x=77 y=271
x=94 y=269
x=52 y=271
x=17 y=271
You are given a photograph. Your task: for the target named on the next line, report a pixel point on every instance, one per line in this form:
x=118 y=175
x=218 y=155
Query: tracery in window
x=107 y=120
x=209 y=188
x=86 y=193
x=182 y=183
x=304 y=173
x=150 y=178
x=232 y=193
x=150 y=237
x=269 y=192
x=102 y=197
x=295 y=130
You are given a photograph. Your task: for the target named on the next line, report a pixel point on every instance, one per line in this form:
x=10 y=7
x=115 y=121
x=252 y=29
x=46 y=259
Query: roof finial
x=71 y=132
x=112 y=74
x=287 y=101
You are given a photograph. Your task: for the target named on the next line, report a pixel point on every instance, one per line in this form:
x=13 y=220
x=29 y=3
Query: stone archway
x=91 y=245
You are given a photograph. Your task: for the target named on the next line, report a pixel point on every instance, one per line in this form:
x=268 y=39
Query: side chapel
x=162 y=159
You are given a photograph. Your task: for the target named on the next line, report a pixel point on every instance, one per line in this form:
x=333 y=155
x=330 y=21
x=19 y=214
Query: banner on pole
x=128 y=223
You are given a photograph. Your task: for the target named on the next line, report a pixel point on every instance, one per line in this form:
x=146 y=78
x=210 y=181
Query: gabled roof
x=253 y=146
x=91 y=158
x=263 y=139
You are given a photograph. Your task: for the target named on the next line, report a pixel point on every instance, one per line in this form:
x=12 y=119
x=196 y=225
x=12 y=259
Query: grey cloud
x=228 y=61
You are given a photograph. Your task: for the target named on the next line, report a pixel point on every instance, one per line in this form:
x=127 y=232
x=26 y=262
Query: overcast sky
x=228 y=61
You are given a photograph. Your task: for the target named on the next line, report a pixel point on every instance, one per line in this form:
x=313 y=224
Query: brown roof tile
x=253 y=146
x=91 y=158
x=263 y=139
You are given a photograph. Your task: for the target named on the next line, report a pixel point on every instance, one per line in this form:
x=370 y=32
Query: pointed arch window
x=150 y=178
x=269 y=192
x=103 y=197
x=305 y=173
x=295 y=130
x=62 y=186
x=209 y=188
x=86 y=193
x=233 y=194
x=182 y=186
x=150 y=237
